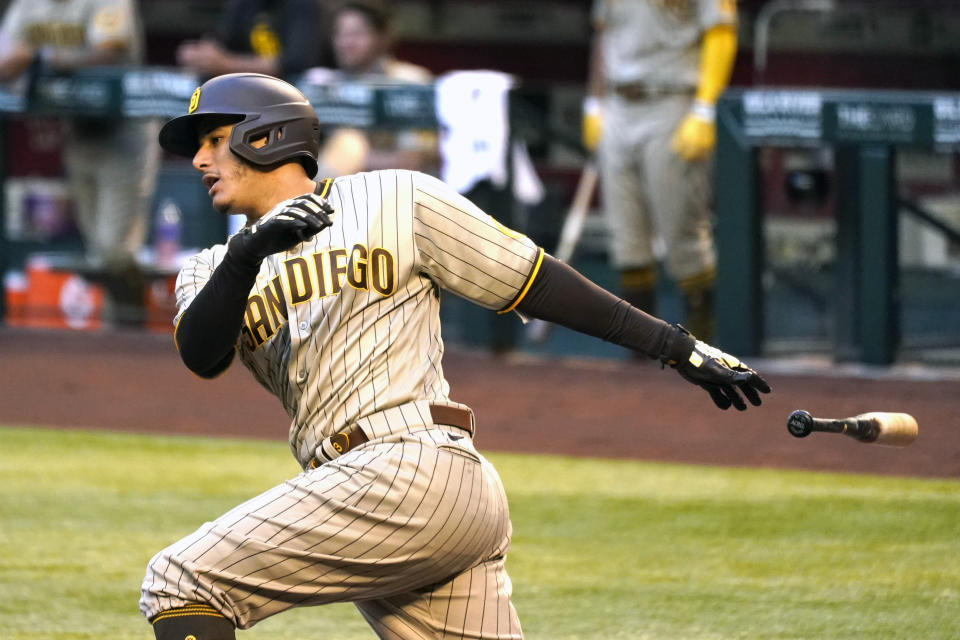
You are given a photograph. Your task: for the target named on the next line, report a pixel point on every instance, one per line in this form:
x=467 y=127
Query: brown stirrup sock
x=192 y=622
x=638 y=286
x=698 y=296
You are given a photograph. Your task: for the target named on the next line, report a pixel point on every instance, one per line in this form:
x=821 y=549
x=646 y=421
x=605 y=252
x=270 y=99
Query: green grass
x=602 y=549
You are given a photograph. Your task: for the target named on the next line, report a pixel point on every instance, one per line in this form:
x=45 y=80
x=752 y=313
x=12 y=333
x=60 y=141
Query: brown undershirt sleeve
x=561 y=295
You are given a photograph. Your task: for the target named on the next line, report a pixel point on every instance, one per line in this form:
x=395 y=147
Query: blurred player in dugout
x=657 y=68
x=362 y=47
x=111 y=163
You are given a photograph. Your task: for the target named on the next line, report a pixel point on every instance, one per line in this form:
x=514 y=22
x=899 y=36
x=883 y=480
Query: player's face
x=233 y=186
x=356 y=44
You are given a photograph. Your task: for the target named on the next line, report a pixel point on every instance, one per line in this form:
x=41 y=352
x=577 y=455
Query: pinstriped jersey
x=656 y=42
x=347 y=323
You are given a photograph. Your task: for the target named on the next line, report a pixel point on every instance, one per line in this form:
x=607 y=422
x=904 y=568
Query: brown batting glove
x=721 y=374
x=299 y=219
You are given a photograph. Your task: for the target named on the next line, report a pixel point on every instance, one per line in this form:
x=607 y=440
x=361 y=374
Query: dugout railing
x=865 y=129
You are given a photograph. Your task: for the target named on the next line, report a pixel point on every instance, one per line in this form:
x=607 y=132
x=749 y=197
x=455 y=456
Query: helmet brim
x=181 y=135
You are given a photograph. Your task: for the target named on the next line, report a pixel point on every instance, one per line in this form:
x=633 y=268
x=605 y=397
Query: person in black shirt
x=277 y=37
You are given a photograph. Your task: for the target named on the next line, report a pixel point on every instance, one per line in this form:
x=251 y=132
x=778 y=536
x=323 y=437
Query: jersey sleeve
x=194 y=274
x=466 y=251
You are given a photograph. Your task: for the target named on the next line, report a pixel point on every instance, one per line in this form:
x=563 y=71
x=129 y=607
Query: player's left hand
x=722 y=375
x=695 y=138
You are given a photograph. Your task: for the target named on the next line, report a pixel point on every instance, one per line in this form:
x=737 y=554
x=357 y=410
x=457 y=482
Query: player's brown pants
x=413 y=528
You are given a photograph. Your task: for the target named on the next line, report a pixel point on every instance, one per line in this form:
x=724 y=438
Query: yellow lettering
x=357 y=272
x=248 y=337
x=276 y=303
x=257 y=320
x=384 y=275
x=298 y=280
x=304 y=279
x=60 y=34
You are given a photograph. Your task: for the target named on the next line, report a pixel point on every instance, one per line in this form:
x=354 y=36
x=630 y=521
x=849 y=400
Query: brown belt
x=354 y=437
x=639 y=91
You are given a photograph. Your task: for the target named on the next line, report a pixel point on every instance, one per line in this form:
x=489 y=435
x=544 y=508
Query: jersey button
x=304 y=325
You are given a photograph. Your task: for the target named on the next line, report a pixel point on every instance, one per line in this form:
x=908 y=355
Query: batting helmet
x=260 y=106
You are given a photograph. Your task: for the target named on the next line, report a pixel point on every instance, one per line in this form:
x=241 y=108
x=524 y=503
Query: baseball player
x=657 y=69
x=330 y=297
x=111 y=163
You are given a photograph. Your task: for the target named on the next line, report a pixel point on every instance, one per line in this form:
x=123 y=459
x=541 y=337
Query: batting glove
x=297 y=220
x=696 y=136
x=722 y=375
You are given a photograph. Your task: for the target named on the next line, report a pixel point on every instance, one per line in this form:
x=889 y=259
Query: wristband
x=704 y=110
x=591 y=106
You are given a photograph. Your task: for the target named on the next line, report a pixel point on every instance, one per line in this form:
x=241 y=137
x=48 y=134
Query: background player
x=111 y=163
x=330 y=296
x=656 y=72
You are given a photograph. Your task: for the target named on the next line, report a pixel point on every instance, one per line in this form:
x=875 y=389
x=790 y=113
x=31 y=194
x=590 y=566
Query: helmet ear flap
x=286 y=139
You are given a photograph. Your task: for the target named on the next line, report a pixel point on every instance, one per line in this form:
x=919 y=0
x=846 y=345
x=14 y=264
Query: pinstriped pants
x=413 y=528
x=649 y=192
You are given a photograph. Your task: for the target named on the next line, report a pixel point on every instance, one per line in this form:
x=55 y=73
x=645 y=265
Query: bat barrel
x=892 y=429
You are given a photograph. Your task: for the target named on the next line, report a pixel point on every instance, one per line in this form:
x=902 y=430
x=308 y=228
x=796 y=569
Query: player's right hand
x=722 y=375
x=592 y=123
x=299 y=219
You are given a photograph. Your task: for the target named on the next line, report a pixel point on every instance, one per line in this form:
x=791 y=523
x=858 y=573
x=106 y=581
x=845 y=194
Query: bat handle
x=862 y=429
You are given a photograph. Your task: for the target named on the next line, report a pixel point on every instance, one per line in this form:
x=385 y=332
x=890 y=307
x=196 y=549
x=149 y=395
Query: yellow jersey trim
x=526 y=288
x=188 y=610
x=327 y=183
x=175 y=343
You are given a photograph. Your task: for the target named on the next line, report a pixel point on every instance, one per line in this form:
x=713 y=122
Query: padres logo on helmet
x=194 y=101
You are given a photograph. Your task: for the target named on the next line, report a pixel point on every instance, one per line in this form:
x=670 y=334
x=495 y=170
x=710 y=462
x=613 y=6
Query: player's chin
x=222 y=205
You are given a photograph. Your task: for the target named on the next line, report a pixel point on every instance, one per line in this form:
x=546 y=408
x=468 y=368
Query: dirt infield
x=134 y=381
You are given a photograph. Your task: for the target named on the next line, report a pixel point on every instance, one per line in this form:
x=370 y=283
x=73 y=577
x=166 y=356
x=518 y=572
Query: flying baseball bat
x=538 y=330
x=878 y=427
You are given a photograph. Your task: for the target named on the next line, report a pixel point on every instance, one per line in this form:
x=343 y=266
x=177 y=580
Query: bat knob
x=800 y=424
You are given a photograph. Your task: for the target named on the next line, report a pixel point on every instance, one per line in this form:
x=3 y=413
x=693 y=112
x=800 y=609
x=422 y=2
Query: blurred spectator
x=656 y=73
x=111 y=163
x=277 y=37
x=362 y=42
